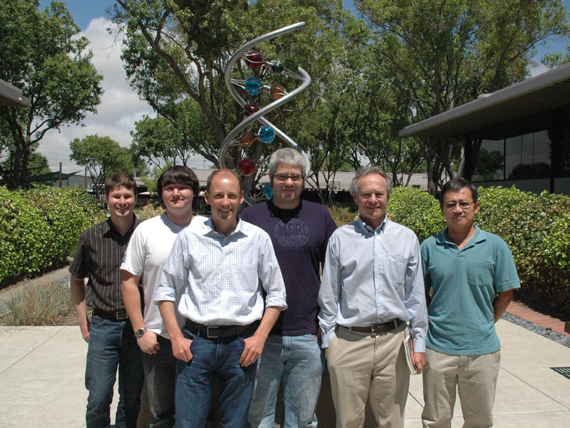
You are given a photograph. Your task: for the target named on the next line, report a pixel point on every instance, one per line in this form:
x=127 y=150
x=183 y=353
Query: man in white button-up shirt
x=221 y=268
x=372 y=288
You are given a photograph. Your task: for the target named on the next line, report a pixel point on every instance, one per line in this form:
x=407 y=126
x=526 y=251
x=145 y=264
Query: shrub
x=40 y=227
x=150 y=210
x=536 y=228
x=42 y=304
x=416 y=209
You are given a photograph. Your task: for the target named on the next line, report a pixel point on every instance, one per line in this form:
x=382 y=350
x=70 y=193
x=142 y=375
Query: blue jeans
x=160 y=375
x=296 y=363
x=113 y=344
x=213 y=357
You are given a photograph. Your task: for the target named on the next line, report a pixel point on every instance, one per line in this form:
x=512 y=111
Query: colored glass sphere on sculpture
x=246 y=167
x=268 y=191
x=245 y=139
x=250 y=109
x=253 y=86
x=254 y=60
x=277 y=91
x=277 y=67
x=266 y=134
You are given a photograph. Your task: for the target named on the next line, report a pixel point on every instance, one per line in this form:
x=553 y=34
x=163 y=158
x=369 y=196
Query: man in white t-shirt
x=146 y=254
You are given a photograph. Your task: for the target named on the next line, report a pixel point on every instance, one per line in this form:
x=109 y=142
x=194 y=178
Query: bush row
x=536 y=228
x=39 y=228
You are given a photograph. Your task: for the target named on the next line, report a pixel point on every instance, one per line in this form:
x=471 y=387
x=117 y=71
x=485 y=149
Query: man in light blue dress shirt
x=220 y=269
x=372 y=288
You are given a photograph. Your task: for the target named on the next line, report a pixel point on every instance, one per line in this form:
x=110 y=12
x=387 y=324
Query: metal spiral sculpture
x=252 y=112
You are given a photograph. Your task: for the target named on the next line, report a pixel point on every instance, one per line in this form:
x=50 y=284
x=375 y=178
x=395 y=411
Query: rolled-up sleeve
x=415 y=301
x=329 y=294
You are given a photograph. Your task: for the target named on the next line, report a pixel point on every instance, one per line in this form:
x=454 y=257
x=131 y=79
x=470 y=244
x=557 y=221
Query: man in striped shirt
x=219 y=269
x=112 y=343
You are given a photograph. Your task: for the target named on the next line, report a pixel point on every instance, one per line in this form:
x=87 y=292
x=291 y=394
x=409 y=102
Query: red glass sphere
x=246 y=167
x=254 y=60
x=250 y=109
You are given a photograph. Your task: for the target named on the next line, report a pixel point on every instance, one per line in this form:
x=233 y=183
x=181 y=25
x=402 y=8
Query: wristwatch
x=140 y=332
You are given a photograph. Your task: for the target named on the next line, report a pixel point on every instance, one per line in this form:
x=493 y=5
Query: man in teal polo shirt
x=472 y=276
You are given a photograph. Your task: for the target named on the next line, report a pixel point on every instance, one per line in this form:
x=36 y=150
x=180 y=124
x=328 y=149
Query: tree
x=176 y=51
x=102 y=156
x=439 y=55
x=158 y=140
x=41 y=54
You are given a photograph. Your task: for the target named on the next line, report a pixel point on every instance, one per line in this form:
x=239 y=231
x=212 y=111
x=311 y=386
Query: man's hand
x=148 y=343
x=85 y=329
x=419 y=361
x=252 y=350
x=181 y=349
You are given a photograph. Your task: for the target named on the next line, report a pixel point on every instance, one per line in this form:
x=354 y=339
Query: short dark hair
x=456 y=185
x=179 y=174
x=120 y=179
x=368 y=170
x=226 y=171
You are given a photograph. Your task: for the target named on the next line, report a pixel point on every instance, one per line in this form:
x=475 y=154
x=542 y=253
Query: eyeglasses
x=284 y=177
x=464 y=205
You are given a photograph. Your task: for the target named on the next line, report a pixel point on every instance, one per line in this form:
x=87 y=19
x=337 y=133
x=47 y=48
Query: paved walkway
x=42 y=371
x=42 y=379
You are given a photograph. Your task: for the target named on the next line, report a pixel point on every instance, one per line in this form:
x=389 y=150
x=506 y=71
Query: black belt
x=377 y=329
x=215 y=332
x=111 y=315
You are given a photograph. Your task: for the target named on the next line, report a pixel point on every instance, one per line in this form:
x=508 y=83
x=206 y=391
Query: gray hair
x=287 y=156
x=367 y=170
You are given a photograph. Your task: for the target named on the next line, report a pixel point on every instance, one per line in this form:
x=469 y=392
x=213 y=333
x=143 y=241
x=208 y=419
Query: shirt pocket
x=247 y=275
x=480 y=274
x=395 y=270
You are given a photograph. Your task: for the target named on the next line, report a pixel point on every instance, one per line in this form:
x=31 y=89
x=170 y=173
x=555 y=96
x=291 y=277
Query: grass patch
x=342 y=215
x=39 y=305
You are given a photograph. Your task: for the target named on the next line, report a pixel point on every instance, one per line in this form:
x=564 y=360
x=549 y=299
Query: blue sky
x=120 y=107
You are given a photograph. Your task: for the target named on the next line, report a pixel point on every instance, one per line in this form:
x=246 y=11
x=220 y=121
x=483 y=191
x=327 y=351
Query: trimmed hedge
x=536 y=228
x=39 y=228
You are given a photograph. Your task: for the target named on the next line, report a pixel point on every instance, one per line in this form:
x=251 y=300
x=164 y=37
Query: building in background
x=524 y=131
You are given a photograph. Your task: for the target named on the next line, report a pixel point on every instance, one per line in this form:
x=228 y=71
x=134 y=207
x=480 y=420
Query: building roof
x=520 y=108
x=12 y=96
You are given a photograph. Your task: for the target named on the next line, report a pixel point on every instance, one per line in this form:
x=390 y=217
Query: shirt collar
x=113 y=228
x=280 y=212
x=208 y=228
x=475 y=239
x=368 y=230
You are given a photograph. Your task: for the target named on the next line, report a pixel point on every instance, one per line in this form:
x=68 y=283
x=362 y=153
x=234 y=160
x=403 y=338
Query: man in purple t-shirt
x=300 y=231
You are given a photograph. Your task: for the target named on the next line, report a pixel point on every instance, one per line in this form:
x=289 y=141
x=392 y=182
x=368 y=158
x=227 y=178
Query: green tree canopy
x=158 y=140
x=102 y=156
x=41 y=54
x=439 y=55
x=177 y=51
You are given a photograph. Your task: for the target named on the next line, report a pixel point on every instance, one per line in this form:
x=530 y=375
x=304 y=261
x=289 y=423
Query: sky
x=120 y=106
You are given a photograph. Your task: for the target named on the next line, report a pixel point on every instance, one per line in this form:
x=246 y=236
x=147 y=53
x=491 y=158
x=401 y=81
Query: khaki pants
x=475 y=378
x=364 y=367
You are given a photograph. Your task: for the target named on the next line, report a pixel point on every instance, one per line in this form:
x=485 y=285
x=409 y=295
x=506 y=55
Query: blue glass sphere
x=253 y=85
x=268 y=191
x=266 y=134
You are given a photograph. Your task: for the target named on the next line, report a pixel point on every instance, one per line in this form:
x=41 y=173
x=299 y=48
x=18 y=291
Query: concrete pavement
x=42 y=380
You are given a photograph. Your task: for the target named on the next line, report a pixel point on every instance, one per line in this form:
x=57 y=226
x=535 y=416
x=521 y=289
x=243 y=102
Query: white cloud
x=119 y=109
